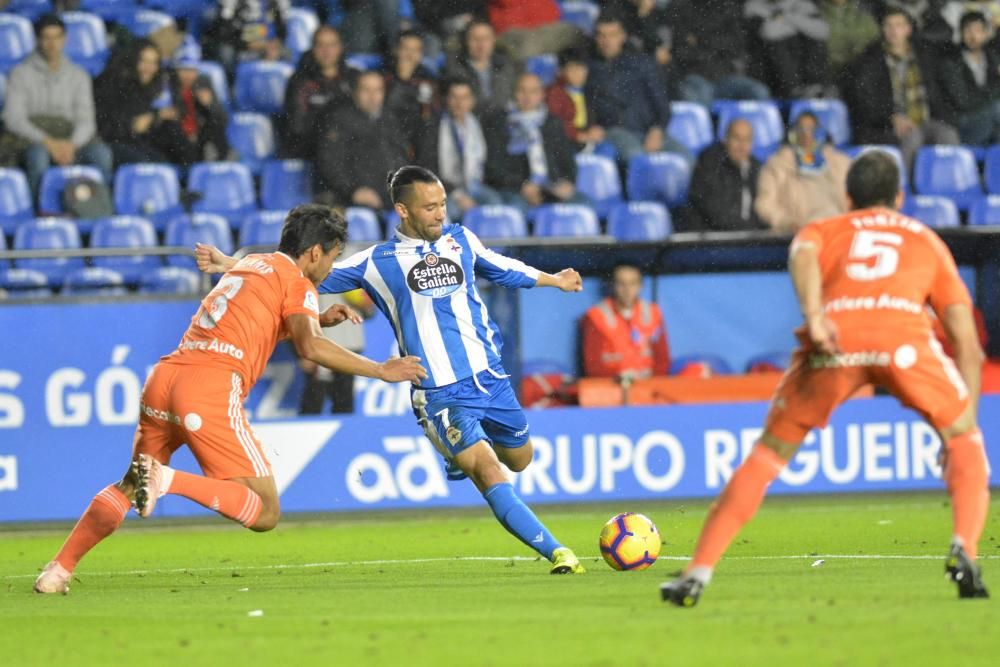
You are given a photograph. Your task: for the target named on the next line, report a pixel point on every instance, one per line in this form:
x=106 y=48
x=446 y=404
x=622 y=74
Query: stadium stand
x=24 y=284
x=640 y=221
x=302 y=23
x=170 y=280
x=260 y=85
x=985 y=211
x=124 y=231
x=566 y=220
x=764 y=117
x=150 y=190
x=49 y=234
x=832 y=116
x=187 y=230
x=144 y=22
x=86 y=41
x=690 y=125
x=659 y=176
x=225 y=188
x=932 y=210
x=15 y=200
x=17 y=40
x=496 y=222
x=285 y=184
x=362 y=224
x=597 y=178
x=545 y=67
x=94 y=281
x=580 y=13
x=700 y=365
x=251 y=135
x=950 y=171
x=54 y=180
x=262 y=228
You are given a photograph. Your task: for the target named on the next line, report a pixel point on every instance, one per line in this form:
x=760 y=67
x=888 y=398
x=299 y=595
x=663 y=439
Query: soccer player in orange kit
x=863 y=280
x=195 y=394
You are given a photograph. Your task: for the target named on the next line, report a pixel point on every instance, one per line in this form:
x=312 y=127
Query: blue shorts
x=463 y=413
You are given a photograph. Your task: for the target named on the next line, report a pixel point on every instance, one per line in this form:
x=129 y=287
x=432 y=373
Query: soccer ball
x=630 y=541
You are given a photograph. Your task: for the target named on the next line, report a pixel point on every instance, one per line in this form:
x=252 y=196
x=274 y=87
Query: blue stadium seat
x=659 y=176
x=362 y=225
x=580 y=13
x=545 y=67
x=763 y=116
x=285 y=184
x=260 y=85
x=54 y=181
x=145 y=22
x=769 y=362
x=640 y=221
x=226 y=189
x=150 y=190
x=179 y=8
x=170 y=280
x=597 y=177
x=904 y=178
x=110 y=10
x=17 y=40
x=364 y=61
x=15 y=200
x=217 y=75
x=86 y=41
x=832 y=116
x=566 y=220
x=30 y=9
x=991 y=169
x=691 y=126
x=252 y=137
x=299 y=29
x=496 y=222
x=949 y=171
x=932 y=210
x=24 y=284
x=262 y=228
x=186 y=230
x=3 y=246
x=700 y=365
x=94 y=281
x=125 y=231
x=49 y=234
x=391 y=220
x=985 y=211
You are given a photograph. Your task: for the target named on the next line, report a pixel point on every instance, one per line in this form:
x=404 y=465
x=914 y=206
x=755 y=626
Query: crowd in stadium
x=145 y=122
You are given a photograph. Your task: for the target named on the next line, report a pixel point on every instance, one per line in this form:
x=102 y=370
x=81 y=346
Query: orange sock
x=230 y=499
x=103 y=516
x=736 y=505
x=967 y=476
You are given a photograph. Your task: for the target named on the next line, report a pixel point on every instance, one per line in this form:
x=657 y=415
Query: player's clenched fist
x=406 y=369
x=210 y=259
x=338 y=313
x=569 y=280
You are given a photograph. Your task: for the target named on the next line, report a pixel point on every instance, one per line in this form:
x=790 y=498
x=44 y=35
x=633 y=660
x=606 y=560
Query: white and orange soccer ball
x=630 y=541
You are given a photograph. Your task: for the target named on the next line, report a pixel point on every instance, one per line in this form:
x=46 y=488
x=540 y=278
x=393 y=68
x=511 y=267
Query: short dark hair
x=47 y=21
x=408 y=33
x=610 y=16
x=468 y=29
x=310 y=224
x=972 y=17
x=399 y=183
x=873 y=179
x=361 y=74
x=450 y=82
x=572 y=54
x=894 y=11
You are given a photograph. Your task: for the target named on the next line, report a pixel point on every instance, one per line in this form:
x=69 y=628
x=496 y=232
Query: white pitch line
x=415 y=561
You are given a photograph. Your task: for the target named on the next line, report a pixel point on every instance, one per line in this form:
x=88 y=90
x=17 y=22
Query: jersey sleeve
x=347 y=275
x=808 y=236
x=300 y=299
x=497 y=268
x=947 y=288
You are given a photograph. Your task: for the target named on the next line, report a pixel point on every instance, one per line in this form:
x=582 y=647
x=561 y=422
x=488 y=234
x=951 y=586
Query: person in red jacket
x=623 y=335
x=527 y=29
x=567 y=102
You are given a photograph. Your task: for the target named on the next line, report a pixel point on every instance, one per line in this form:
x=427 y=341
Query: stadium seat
x=186 y=230
x=950 y=171
x=832 y=115
x=17 y=40
x=170 y=280
x=691 y=126
x=145 y=22
x=226 y=189
x=49 y=234
x=364 y=61
x=86 y=41
x=260 y=85
x=985 y=211
x=580 y=13
x=545 y=67
x=284 y=184
x=3 y=246
x=991 y=169
x=24 y=284
x=299 y=29
x=30 y=9
x=362 y=225
x=110 y=10
x=93 y=281
x=391 y=220
x=252 y=137
x=150 y=190
x=54 y=181
x=217 y=75
x=769 y=362
x=659 y=176
x=763 y=116
x=566 y=220
x=700 y=365
x=125 y=231
x=904 y=178
x=262 y=228
x=597 y=178
x=640 y=221
x=496 y=222
x=932 y=210
x=15 y=200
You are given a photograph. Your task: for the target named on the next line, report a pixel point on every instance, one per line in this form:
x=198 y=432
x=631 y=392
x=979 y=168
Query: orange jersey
x=881 y=268
x=243 y=318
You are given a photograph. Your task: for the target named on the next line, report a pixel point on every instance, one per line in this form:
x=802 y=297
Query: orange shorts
x=203 y=407
x=914 y=369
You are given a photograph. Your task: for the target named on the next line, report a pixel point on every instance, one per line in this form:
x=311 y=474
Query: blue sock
x=516 y=517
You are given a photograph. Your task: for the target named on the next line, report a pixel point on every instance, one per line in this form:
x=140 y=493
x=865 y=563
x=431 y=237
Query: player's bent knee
x=268 y=520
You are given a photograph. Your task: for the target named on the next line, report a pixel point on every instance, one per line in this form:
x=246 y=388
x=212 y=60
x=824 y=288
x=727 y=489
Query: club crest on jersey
x=453 y=435
x=435 y=276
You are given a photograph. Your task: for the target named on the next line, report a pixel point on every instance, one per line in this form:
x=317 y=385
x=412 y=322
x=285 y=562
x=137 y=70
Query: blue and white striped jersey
x=428 y=292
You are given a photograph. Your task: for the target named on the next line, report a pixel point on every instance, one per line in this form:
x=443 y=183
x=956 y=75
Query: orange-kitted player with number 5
x=195 y=394
x=863 y=282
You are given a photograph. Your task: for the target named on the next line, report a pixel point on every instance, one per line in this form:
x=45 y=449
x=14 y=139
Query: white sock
x=700 y=573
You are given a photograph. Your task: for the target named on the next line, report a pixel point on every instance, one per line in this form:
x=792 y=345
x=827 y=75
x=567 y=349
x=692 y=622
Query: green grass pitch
x=453 y=588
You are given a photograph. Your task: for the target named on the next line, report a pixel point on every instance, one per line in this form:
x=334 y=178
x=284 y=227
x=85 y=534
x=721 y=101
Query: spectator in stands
x=453 y=146
x=791 y=36
x=892 y=91
x=49 y=110
x=708 y=52
x=971 y=84
x=646 y=21
x=247 y=30
x=135 y=112
x=929 y=25
x=529 y=29
x=623 y=336
x=411 y=88
x=954 y=10
x=852 y=30
x=806 y=179
x=492 y=74
x=446 y=20
x=370 y=26
x=531 y=160
x=201 y=114
x=567 y=102
x=360 y=145
x=318 y=87
x=626 y=94
x=724 y=184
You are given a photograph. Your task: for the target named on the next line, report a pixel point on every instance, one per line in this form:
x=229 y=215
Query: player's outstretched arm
x=803 y=265
x=312 y=345
x=212 y=260
x=568 y=280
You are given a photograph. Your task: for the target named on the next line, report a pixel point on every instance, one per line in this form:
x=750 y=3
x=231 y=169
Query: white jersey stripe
x=467 y=329
x=948 y=365
x=236 y=422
